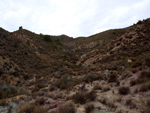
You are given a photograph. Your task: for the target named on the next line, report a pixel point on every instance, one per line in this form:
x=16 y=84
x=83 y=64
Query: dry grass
x=124 y=90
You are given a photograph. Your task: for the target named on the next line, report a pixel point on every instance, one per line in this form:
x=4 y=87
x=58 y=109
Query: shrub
x=89 y=108
x=144 y=77
x=129 y=102
x=145 y=74
x=81 y=97
x=1 y=72
x=112 y=78
x=7 y=91
x=124 y=90
x=139 y=22
x=133 y=82
x=66 y=108
x=97 y=87
x=47 y=38
x=91 y=95
x=90 y=77
x=58 y=42
x=147 y=62
x=145 y=87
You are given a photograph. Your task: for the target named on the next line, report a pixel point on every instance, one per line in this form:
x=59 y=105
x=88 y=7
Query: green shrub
x=58 y=42
x=46 y=38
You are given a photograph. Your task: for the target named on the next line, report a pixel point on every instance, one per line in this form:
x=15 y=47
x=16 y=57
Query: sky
x=71 y=17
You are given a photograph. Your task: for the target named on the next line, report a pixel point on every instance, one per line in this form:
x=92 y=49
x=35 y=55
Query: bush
x=47 y=38
x=58 y=42
x=90 y=77
x=66 y=108
x=145 y=87
x=112 y=78
x=89 y=108
x=144 y=77
x=7 y=91
x=81 y=97
x=124 y=90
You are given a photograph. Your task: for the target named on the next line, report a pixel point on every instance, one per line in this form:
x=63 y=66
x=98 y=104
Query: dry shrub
x=90 y=78
x=128 y=102
x=112 y=78
x=30 y=108
x=89 y=108
x=81 y=97
x=133 y=82
x=124 y=90
x=40 y=101
x=69 y=107
x=147 y=62
x=145 y=87
x=145 y=74
x=91 y=95
x=97 y=87
x=52 y=88
x=144 y=77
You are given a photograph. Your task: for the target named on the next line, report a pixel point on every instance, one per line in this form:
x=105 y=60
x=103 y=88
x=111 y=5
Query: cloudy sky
x=71 y=17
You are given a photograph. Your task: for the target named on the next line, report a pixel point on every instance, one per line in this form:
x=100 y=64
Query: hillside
x=108 y=72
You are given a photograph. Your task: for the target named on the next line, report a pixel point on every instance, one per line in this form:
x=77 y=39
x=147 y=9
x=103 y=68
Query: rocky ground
x=109 y=73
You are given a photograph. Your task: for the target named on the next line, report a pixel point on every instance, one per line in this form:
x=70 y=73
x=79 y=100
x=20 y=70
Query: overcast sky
x=71 y=17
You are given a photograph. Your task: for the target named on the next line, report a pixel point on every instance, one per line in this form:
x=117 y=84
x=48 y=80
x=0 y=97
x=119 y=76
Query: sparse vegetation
x=93 y=72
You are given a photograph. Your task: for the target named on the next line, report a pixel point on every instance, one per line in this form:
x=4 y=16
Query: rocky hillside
x=108 y=72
